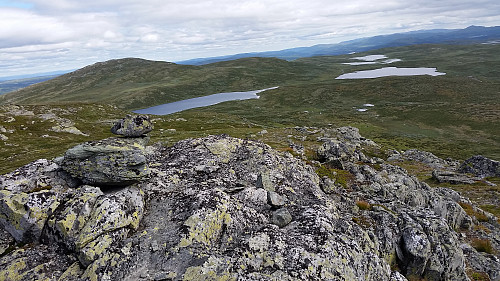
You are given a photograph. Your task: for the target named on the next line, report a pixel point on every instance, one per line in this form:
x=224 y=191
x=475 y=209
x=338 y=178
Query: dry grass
x=482 y=245
x=469 y=209
x=363 y=205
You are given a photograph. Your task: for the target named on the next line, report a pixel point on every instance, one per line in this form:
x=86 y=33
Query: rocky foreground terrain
x=222 y=208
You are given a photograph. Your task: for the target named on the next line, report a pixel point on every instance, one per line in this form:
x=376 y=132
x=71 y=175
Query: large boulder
x=109 y=162
x=133 y=126
x=480 y=166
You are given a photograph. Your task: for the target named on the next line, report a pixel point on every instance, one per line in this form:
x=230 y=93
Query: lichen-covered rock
x=429 y=159
x=415 y=251
x=221 y=208
x=112 y=161
x=281 y=217
x=38 y=262
x=338 y=153
x=133 y=126
x=39 y=175
x=114 y=211
x=23 y=215
x=67 y=223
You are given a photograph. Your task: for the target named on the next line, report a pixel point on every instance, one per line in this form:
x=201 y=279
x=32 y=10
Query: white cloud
x=149 y=38
x=72 y=32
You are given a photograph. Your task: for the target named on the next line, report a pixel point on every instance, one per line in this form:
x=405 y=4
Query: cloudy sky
x=47 y=35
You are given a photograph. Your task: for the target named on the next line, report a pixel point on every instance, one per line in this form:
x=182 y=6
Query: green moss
x=363 y=205
x=477 y=276
x=40 y=188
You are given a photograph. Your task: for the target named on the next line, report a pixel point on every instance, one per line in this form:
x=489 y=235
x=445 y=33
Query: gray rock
x=274 y=199
x=281 y=217
x=109 y=162
x=429 y=159
x=23 y=215
x=200 y=216
x=480 y=166
x=453 y=178
x=264 y=181
x=133 y=126
x=415 y=251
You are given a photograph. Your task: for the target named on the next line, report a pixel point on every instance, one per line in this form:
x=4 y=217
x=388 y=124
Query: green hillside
x=455 y=115
x=137 y=83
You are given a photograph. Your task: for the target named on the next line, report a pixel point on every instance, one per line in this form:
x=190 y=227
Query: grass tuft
x=469 y=209
x=363 y=205
x=482 y=245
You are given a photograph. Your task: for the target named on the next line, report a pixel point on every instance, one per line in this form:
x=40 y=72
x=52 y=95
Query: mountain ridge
x=433 y=36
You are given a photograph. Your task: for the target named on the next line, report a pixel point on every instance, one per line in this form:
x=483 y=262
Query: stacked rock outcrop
x=222 y=208
x=112 y=161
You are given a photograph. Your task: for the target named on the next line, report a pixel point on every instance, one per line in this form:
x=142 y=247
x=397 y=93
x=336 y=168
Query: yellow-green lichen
x=14 y=205
x=72 y=272
x=91 y=273
x=95 y=248
x=205 y=226
x=214 y=269
x=224 y=149
x=13 y=271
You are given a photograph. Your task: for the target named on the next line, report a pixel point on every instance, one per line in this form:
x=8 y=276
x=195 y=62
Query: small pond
x=182 y=105
x=390 y=71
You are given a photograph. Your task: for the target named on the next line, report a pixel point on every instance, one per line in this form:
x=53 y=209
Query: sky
x=39 y=36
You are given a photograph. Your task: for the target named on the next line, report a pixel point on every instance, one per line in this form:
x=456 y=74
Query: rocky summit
x=222 y=208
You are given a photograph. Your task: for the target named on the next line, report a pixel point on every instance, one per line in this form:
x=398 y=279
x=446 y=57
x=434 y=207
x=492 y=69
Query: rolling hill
x=454 y=115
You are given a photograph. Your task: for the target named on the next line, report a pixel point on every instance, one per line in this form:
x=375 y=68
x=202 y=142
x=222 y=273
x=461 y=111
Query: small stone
x=328 y=185
x=274 y=199
x=281 y=217
x=154 y=246
x=133 y=126
x=264 y=181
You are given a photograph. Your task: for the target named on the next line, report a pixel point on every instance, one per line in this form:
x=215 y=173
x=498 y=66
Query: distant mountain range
x=7 y=86
x=471 y=34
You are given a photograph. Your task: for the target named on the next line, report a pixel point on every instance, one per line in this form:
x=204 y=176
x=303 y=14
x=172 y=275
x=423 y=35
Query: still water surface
x=391 y=71
x=178 y=106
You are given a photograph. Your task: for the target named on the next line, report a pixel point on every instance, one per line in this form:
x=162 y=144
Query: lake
x=390 y=71
x=372 y=59
x=182 y=105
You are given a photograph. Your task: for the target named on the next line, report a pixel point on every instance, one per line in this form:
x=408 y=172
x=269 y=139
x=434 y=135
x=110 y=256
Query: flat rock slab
x=112 y=161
